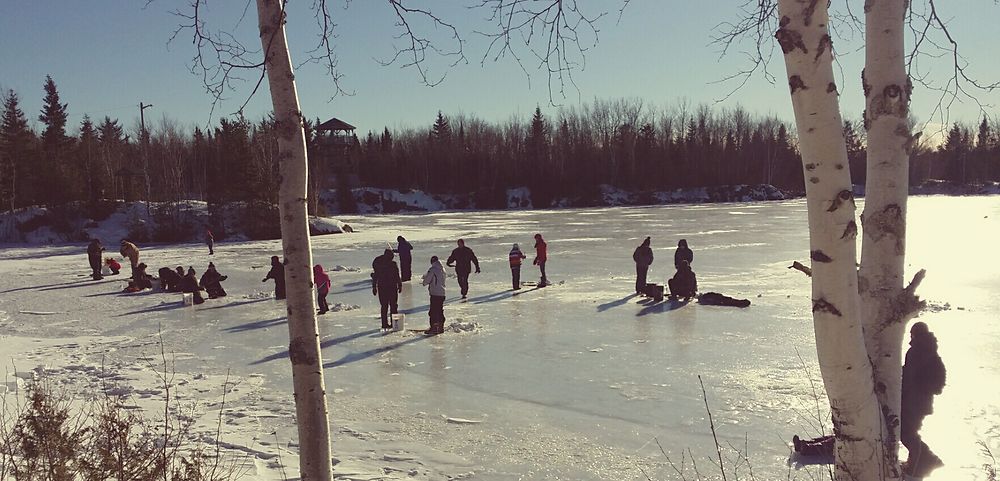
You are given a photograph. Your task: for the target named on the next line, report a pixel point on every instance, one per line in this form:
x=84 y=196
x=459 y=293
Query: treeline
x=568 y=153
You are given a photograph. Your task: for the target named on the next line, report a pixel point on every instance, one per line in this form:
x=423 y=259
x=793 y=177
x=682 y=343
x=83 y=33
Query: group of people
x=682 y=284
x=171 y=280
x=388 y=277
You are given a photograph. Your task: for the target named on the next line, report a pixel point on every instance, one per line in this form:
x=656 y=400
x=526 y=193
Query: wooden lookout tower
x=337 y=143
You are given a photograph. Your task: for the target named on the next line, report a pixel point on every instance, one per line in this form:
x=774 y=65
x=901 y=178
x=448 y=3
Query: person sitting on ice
x=821 y=446
x=189 y=284
x=211 y=281
x=113 y=265
x=683 y=284
x=140 y=280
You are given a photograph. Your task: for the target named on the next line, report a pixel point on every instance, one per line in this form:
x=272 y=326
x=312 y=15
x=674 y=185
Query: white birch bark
x=304 y=352
x=885 y=305
x=847 y=374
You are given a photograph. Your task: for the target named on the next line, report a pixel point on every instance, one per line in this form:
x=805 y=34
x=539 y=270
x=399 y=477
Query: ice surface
x=572 y=381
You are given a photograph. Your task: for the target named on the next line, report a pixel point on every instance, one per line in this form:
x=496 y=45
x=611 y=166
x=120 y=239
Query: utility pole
x=143 y=140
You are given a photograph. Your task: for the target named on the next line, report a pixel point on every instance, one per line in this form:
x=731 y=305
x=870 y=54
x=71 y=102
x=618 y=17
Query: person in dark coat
x=277 y=273
x=405 y=250
x=211 y=281
x=140 y=280
x=683 y=284
x=322 y=282
x=683 y=253
x=170 y=281
x=515 y=257
x=94 y=250
x=643 y=257
x=386 y=284
x=923 y=377
x=462 y=259
x=541 y=257
x=189 y=284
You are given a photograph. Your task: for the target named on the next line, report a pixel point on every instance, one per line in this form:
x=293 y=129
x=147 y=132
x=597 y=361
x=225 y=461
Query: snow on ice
x=571 y=381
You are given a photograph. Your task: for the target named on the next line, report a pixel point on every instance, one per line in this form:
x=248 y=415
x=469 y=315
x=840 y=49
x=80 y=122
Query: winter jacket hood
x=320 y=277
x=516 y=256
x=434 y=279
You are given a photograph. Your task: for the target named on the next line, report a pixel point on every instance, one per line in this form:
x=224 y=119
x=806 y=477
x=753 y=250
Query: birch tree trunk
x=804 y=37
x=885 y=305
x=303 y=347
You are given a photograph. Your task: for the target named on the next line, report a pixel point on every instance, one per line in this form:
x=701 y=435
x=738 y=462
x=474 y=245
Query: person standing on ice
x=516 y=256
x=130 y=251
x=210 y=240
x=387 y=285
x=683 y=253
x=94 y=250
x=322 y=282
x=643 y=257
x=923 y=377
x=462 y=259
x=541 y=255
x=434 y=280
x=405 y=250
x=277 y=273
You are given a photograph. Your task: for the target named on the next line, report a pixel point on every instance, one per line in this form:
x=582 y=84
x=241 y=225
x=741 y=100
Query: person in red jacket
x=541 y=255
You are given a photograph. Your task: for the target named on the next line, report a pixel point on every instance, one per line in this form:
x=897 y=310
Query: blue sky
x=107 y=56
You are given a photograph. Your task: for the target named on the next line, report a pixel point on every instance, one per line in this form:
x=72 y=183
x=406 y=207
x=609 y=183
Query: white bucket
x=105 y=271
x=398 y=322
x=188 y=299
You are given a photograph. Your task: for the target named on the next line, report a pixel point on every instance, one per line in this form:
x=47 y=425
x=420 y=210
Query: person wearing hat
x=923 y=378
x=643 y=257
x=405 y=250
x=386 y=284
x=211 y=281
x=434 y=279
x=277 y=273
x=130 y=251
x=516 y=256
x=541 y=256
x=462 y=259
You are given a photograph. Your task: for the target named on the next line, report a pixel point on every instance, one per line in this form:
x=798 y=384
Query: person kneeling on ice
x=113 y=265
x=140 y=280
x=211 y=281
x=189 y=284
x=434 y=280
x=170 y=280
x=683 y=284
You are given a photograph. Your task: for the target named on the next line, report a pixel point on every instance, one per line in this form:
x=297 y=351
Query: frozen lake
x=573 y=381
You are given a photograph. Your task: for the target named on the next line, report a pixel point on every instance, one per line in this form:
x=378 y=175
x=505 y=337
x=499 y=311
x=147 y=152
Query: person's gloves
x=478 y=271
x=263 y=280
x=534 y=262
x=399 y=290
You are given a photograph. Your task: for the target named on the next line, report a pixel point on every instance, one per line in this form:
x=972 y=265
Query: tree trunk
x=847 y=374
x=885 y=306
x=303 y=348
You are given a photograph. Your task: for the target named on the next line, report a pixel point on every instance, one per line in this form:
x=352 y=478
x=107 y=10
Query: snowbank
x=372 y=200
x=183 y=221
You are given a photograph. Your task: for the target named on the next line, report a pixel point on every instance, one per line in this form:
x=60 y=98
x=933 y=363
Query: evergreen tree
x=111 y=152
x=55 y=181
x=86 y=154
x=17 y=175
x=441 y=131
x=856 y=154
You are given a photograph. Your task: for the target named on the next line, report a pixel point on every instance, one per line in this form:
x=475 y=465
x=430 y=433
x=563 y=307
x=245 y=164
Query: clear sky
x=106 y=56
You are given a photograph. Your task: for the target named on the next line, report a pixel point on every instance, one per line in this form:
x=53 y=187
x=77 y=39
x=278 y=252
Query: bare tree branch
x=927 y=27
x=416 y=47
x=557 y=33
